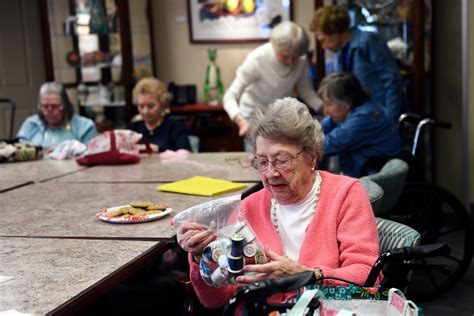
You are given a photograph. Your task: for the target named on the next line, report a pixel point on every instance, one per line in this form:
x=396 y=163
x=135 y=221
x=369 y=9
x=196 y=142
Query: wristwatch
x=319 y=275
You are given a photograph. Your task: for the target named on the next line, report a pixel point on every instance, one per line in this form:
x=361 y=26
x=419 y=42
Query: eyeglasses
x=279 y=164
x=51 y=106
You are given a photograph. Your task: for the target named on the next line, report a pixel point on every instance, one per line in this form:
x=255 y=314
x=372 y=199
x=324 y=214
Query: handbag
x=117 y=147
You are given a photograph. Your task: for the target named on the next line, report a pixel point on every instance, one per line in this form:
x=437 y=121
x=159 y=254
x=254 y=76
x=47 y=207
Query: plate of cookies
x=135 y=212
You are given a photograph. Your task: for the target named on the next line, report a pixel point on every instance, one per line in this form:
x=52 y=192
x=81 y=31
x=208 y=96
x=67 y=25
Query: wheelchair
x=396 y=265
x=433 y=211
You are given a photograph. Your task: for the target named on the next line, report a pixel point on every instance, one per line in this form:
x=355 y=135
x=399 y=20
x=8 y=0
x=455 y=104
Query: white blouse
x=290 y=218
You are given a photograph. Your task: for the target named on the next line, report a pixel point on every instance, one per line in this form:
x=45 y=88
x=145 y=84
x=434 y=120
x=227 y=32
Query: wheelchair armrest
x=406 y=254
x=420 y=252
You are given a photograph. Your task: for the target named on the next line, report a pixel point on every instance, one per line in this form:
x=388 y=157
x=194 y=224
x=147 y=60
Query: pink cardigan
x=341 y=239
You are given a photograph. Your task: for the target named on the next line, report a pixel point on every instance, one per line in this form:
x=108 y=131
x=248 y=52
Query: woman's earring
x=165 y=112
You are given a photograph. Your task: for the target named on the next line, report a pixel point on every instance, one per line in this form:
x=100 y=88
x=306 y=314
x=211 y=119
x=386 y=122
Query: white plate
x=102 y=215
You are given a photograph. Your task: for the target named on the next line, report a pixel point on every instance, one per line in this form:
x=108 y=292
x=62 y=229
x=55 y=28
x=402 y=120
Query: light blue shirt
x=35 y=131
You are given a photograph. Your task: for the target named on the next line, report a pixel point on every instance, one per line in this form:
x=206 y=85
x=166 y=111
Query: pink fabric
x=342 y=238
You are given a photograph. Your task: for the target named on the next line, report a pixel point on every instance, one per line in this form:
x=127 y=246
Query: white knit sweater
x=262 y=78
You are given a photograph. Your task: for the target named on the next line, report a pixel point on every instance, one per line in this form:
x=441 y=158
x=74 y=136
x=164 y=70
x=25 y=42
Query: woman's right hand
x=243 y=125
x=194 y=237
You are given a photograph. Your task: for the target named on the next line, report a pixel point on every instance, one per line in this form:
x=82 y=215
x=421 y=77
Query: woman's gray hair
x=344 y=89
x=56 y=88
x=288 y=119
x=289 y=34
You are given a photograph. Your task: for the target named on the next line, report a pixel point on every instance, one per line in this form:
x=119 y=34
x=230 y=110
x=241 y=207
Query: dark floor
x=458 y=301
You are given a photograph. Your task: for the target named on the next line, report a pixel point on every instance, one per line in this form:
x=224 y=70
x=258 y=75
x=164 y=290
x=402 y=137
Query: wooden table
x=227 y=166
x=67 y=210
x=37 y=170
x=59 y=276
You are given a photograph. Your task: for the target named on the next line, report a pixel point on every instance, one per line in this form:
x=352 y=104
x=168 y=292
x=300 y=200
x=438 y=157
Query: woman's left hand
x=277 y=267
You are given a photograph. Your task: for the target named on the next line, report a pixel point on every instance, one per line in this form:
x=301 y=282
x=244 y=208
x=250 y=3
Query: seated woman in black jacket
x=152 y=99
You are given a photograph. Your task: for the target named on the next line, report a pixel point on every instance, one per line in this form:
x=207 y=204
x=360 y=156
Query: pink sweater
x=341 y=239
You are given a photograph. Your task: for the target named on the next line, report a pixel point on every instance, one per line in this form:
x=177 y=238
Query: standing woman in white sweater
x=272 y=71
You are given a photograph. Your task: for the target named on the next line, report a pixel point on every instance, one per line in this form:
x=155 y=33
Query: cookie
x=116 y=213
x=156 y=207
x=153 y=212
x=137 y=212
x=127 y=209
x=141 y=204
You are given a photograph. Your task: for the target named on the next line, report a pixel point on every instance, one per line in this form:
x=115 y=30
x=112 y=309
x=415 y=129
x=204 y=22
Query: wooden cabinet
x=98 y=49
x=212 y=125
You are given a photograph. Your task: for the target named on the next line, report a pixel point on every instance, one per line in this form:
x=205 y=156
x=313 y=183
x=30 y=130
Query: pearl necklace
x=275 y=205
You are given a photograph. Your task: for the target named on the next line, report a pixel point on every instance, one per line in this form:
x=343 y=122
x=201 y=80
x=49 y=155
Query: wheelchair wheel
x=439 y=217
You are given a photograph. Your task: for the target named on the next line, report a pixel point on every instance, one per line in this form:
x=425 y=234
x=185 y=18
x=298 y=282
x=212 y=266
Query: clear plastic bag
x=236 y=244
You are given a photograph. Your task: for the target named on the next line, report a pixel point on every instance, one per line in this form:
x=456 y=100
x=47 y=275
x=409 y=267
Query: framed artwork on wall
x=238 y=21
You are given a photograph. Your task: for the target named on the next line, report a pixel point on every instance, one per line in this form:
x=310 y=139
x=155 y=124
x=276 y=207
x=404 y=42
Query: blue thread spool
x=247 y=233
x=236 y=265
x=237 y=247
x=207 y=253
x=205 y=269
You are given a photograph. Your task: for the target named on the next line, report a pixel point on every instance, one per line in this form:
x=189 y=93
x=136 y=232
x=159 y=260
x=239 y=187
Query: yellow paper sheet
x=202 y=186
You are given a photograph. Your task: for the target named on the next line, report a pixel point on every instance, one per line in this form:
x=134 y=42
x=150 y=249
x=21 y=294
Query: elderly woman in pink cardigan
x=307 y=219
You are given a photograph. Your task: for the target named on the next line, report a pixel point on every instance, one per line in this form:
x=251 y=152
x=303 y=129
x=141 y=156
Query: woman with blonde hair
x=152 y=99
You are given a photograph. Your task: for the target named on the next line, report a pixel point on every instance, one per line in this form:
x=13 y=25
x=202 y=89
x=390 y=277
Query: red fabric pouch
x=116 y=147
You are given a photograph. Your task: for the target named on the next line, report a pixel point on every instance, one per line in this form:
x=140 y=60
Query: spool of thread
x=207 y=253
x=237 y=247
x=247 y=233
x=205 y=273
x=236 y=265
x=250 y=260
x=260 y=257
x=219 y=276
x=250 y=250
x=204 y=267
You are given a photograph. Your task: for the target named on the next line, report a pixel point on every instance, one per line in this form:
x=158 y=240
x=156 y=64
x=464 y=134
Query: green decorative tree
x=213 y=87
